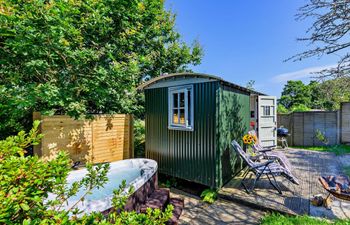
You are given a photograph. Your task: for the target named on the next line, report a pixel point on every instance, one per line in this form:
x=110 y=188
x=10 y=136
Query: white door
x=267 y=120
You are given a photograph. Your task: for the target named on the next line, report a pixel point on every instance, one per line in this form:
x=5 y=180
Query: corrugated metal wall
x=189 y=155
x=233 y=123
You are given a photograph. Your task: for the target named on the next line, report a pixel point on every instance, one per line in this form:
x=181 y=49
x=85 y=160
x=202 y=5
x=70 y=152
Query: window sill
x=181 y=128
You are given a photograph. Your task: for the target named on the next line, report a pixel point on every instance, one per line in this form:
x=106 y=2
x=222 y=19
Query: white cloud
x=299 y=74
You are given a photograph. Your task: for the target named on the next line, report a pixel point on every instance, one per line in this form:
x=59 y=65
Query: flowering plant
x=249 y=139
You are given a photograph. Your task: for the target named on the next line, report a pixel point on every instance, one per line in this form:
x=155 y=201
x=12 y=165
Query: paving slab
x=220 y=212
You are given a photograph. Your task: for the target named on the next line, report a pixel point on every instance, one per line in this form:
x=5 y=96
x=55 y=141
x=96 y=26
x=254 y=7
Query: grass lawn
x=278 y=219
x=337 y=149
x=346 y=170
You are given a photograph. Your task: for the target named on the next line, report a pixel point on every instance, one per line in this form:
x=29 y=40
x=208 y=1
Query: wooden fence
x=106 y=138
x=303 y=126
x=345 y=122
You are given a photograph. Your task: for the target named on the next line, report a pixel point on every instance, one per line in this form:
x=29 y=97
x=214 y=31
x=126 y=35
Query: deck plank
x=308 y=166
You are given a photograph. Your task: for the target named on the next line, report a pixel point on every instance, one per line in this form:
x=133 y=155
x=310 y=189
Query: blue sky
x=248 y=40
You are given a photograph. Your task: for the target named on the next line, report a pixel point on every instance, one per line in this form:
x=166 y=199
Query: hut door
x=267 y=120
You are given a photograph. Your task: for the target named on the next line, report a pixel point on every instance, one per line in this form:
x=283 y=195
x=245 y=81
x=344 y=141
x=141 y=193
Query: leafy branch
x=329 y=33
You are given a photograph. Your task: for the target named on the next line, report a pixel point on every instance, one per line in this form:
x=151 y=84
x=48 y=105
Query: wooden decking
x=308 y=166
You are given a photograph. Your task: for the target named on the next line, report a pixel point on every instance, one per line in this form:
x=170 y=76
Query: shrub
x=321 y=136
x=282 y=109
x=139 y=138
x=25 y=183
x=300 y=108
x=209 y=195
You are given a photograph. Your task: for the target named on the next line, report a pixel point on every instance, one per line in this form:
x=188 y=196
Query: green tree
x=295 y=93
x=327 y=95
x=333 y=92
x=316 y=98
x=282 y=109
x=81 y=57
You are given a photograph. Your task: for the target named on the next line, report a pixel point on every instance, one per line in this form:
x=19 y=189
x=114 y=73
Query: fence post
x=131 y=136
x=339 y=112
x=37 y=150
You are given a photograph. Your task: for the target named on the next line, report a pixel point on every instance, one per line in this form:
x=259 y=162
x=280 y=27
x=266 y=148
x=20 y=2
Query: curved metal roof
x=199 y=75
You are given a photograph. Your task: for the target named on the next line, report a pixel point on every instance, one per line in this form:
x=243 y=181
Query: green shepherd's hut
x=191 y=120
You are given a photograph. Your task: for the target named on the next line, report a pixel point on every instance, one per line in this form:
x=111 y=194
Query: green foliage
x=326 y=95
x=279 y=219
x=333 y=92
x=321 y=136
x=250 y=85
x=139 y=138
x=172 y=182
x=346 y=170
x=152 y=217
x=300 y=108
x=83 y=57
x=209 y=195
x=25 y=183
x=295 y=93
x=282 y=109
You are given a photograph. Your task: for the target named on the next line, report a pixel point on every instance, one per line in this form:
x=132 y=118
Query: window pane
x=182 y=99
x=175 y=96
x=266 y=110
x=189 y=107
x=182 y=116
x=175 y=116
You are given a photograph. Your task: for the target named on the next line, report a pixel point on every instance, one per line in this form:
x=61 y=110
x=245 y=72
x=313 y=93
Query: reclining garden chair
x=270 y=168
x=268 y=153
x=258 y=144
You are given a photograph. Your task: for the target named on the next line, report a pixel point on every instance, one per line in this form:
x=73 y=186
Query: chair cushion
x=282 y=159
x=277 y=169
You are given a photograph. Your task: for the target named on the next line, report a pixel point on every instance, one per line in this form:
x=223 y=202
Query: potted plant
x=248 y=142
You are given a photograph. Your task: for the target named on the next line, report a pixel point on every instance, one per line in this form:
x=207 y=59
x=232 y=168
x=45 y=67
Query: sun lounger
x=269 y=168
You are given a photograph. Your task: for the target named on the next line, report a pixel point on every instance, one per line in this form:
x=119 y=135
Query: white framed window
x=267 y=110
x=180 y=112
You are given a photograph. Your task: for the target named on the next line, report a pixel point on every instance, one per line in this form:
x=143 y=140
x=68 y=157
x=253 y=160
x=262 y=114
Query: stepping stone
x=157 y=200
x=178 y=207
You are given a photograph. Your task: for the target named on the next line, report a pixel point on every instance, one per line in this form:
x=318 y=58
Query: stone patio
x=197 y=212
x=308 y=166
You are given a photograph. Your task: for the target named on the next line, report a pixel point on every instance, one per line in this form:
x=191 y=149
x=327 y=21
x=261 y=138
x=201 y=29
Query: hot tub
x=139 y=173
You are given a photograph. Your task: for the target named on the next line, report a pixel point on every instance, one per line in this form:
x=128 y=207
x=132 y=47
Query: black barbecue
x=282 y=134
